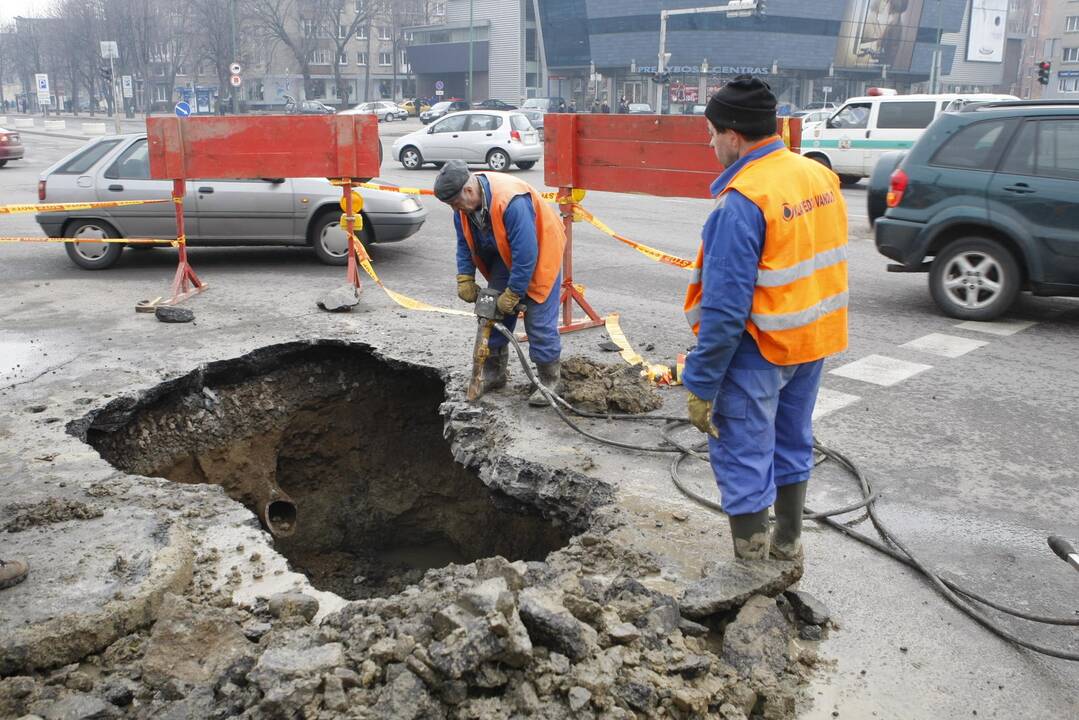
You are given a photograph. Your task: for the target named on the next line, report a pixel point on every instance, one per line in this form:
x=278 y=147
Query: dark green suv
x=987 y=201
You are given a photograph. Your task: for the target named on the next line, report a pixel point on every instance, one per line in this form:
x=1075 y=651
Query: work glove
x=507 y=302
x=700 y=414
x=467 y=289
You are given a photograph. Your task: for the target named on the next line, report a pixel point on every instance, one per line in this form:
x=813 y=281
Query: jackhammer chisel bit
x=1064 y=550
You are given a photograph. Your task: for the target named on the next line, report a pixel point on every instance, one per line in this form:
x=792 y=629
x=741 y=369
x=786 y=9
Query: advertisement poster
x=879 y=32
x=683 y=93
x=988 y=21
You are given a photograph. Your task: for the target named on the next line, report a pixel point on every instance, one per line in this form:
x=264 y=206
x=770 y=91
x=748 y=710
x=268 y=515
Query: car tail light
x=897 y=187
x=41 y=191
x=514 y=135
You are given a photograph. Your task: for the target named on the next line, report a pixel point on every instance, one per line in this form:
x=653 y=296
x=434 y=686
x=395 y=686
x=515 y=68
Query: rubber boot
x=787 y=535
x=12 y=572
x=550 y=374
x=496 y=370
x=750 y=534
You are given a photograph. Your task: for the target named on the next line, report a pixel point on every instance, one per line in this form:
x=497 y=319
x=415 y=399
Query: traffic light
x=106 y=73
x=1043 y=71
x=662 y=77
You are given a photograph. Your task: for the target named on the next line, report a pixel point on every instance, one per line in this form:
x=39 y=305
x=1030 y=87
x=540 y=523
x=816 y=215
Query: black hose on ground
x=892 y=546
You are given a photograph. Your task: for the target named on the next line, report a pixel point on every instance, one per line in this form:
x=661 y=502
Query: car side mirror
x=430 y=130
x=275 y=181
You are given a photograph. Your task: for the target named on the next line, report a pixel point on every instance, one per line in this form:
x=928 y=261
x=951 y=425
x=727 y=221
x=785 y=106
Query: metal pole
x=235 y=58
x=937 y=53
x=471 y=38
x=662 y=65
x=116 y=97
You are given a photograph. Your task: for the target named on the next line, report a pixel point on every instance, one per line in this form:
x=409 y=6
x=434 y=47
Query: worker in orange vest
x=768 y=301
x=515 y=239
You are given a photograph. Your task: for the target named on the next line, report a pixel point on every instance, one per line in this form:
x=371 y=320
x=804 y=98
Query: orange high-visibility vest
x=550 y=234
x=799 y=311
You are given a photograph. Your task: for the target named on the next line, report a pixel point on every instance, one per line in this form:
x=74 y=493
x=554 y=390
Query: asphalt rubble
x=595 y=629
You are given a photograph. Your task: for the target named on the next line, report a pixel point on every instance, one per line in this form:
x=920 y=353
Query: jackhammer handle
x=1061 y=547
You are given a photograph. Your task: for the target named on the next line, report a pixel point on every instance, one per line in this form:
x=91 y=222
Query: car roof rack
x=1018 y=104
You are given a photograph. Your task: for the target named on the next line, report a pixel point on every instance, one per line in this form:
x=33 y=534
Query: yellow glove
x=507 y=302
x=700 y=414
x=467 y=289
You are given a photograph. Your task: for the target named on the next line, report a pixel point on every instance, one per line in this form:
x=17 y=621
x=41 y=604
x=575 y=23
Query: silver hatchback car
x=275 y=211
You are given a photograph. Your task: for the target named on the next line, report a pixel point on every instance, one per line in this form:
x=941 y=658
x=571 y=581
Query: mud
x=357 y=444
x=47 y=512
x=598 y=387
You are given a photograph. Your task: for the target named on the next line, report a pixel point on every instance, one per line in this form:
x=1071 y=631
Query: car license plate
x=530 y=139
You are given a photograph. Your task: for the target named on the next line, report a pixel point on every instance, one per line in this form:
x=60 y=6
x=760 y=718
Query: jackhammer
x=487 y=316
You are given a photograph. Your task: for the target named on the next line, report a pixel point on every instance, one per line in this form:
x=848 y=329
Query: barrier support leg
x=350 y=229
x=570 y=293
x=186 y=283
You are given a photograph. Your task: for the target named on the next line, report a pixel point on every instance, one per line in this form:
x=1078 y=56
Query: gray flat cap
x=451 y=178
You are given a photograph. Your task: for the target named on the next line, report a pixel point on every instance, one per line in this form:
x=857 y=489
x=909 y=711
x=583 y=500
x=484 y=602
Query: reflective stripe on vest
x=775 y=278
x=792 y=320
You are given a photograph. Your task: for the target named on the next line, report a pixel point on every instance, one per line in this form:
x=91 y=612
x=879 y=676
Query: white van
x=852 y=140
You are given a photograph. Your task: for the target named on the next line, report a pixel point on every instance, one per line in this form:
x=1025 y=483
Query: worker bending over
x=515 y=239
x=767 y=302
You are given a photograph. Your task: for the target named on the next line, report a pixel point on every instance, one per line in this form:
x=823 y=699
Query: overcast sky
x=11 y=8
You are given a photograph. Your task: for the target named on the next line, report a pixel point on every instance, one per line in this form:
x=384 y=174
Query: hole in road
x=340 y=453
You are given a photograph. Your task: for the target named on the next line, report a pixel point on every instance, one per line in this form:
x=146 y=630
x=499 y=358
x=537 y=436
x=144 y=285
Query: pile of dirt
x=599 y=387
x=47 y=512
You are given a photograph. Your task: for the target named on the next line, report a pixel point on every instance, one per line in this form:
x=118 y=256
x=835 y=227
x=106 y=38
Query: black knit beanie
x=746 y=105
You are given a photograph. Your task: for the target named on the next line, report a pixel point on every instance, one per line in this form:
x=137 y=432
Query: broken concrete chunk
x=637 y=695
x=407 y=698
x=512 y=572
x=191 y=644
x=76 y=707
x=296 y=659
x=758 y=638
x=465 y=649
x=624 y=633
x=333 y=694
x=490 y=595
x=691 y=666
x=341 y=299
x=170 y=314
x=808 y=608
x=692 y=629
x=578 y=698
x=550 y=624
x=293 y=604
x=731 y=584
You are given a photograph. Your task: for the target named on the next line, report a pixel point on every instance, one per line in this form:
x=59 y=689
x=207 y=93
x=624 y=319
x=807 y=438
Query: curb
x=59 y=135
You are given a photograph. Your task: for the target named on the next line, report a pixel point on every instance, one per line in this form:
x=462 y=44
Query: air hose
x=889 y=544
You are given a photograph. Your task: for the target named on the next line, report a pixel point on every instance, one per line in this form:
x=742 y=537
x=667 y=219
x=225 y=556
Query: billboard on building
x=877 y=33
x=988 y=23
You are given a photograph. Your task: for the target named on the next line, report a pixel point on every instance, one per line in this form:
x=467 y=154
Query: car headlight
x=409 y=205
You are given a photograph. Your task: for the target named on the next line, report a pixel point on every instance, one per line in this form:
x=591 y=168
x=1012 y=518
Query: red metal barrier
x=665 y=155
x=341 y=147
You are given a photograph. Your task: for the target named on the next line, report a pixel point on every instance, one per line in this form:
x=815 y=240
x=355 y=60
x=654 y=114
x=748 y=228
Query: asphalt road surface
x=969 y=430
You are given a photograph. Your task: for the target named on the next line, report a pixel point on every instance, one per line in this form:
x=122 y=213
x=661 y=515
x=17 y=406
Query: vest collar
x=764 y=147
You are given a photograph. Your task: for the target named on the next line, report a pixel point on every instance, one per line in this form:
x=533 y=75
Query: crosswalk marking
x=949 y=346
x=828 y=401
x=880 y=370
x=997 y=327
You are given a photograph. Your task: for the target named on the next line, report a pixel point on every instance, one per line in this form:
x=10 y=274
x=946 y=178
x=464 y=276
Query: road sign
x=129 y=89
x=440 y=93
x=41 y=80
x=109 y=51
x=439 y=85
x=235 y=68
x=236 y=81
x=827 y=88
x=182 y=109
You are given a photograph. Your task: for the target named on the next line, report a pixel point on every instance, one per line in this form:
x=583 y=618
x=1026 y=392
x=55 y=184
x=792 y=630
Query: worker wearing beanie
x=768 y=301
x=516 y=240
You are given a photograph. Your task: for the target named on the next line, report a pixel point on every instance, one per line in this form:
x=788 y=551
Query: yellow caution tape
x=394 y=188
x=577 y=195
x=650 y=252
x=132 y=241
x=402 y=300
x=614 y=329
x=61 y=207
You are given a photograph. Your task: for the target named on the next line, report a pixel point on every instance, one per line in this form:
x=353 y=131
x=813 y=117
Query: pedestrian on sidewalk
x=768 y=301
x=516 y=240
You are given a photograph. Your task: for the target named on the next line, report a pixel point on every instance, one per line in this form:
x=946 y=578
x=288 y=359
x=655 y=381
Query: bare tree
x=345 y=19
x=299 y=25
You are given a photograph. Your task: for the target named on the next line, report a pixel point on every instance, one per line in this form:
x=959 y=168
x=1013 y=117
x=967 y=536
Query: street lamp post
x=471 y=38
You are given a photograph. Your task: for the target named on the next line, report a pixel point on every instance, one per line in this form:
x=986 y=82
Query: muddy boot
x=787 y=535
x=496 y=371
x=750 y=534
x=12 y=572
x=550 y=374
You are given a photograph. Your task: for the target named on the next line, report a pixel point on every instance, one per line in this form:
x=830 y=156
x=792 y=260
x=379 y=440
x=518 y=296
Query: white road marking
x=949 y=346
x=828 y=401
x=880 y=370
x=997 y=327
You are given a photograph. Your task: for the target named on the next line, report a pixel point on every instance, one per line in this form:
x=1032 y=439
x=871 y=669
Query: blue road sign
x=182 y=109
x=440 y=85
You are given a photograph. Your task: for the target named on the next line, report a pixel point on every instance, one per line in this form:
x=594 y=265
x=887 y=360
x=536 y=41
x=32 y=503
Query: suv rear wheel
x=91 y=255
x=974 y=279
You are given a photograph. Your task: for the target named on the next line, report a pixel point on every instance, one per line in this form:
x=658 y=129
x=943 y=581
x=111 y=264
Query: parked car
x=10 y=146
x=306 y=107
x=414 y=107
x=819 y=106
x=290 y=211
x=493 y=104
x=494 y=137
x=851 y=141
x=987 y=202
x=442 y=109
x=536 y=118
x=695 y=109
x=813 y=118
x=548 y=104
x=384 y=110
x=640 y=109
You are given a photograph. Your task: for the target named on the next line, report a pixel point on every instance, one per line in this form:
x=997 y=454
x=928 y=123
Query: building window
x=342 y=31
x=361 y=58
x=159 y=70
x=309 y=28
x=1071 y=55
x=361 y=34
x=342 y=58
x=385 y=59
x=320 y=57
x=161 y=93
x=1069 y=84
x=1071 y=23
x=361 y=5
x=383 y=33
x=440 y=9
